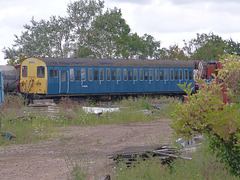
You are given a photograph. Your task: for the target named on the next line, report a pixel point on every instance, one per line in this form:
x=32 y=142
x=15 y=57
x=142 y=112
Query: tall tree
x=232 y=47
x=59 y=37
x=43 y=38
x=135 y=46
x=209 y=47
x=174 y=52
x=110 y=35
x=151 y=47
x=81 y=15
x=59 y=33
x=84 y=32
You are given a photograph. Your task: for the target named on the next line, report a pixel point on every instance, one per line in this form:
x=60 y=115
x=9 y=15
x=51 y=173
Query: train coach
x=51 y=77
x=10 y=77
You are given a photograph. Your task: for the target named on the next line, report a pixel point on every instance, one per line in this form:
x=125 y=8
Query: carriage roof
x=50 y=61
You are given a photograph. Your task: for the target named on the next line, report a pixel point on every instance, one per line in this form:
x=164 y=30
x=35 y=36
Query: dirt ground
x=87 y=146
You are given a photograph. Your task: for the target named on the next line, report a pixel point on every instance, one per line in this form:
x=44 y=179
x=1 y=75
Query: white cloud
x=16 y=13
x=169 y=21
x=182 y=16
x=172 y=21
x=184 y=2
x=143 y=2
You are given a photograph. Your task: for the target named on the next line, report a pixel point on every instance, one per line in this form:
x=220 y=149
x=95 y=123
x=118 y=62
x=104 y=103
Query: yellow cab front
x=33 y=76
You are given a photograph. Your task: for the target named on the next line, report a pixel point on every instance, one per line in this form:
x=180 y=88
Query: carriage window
x=186 y=74
x=71 y=74
x=157 y=74
x=171 y=74
x=90 y=74
x=53 y=73
x=150 y=75
x=125 y=74
x=96 y=75
x=190 y=75
x=77 y=77
x=113 y=75
x=176 y=75
x=83 y=74
x=108 y=75
x=161 y=75
x=166 y=75
x=141 y=74
x=119 y=74
x=130 y=75
x=180 y=75
x=135 y=74
x=40 y=71
x=101 y=74
x=63 y=76
x=145 y=75
x=24 y=71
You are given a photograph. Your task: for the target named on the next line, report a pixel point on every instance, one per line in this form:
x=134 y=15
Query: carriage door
x=64 y=82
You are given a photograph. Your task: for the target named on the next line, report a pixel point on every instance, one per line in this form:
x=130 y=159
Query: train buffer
x=7 y=135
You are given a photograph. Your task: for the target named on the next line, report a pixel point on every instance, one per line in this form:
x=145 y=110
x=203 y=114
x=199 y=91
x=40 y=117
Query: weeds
x=63 y=140
x=32 y=128
x=204 y=165
x=77 y=167
x=66 y=104
x=29 y=129
x=12 y=103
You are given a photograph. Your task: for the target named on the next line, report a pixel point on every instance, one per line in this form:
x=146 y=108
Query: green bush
x=205 y=113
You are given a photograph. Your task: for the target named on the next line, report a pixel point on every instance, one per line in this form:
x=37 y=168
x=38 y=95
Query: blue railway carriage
x=86 y=76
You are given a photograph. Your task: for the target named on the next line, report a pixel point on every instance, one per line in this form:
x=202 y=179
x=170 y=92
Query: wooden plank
x=137 y=150
x=130 y=155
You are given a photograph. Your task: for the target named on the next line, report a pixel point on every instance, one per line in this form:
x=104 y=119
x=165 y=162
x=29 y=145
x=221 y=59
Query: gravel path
x=87 y=146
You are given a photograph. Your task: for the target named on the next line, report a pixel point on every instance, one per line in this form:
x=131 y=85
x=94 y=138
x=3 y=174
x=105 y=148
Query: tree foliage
x=205 y=113
x=209 y=47
x=86 y=31
x=89 y=31
x=81 y=16
x=174 y=52
x=43 y=38
x=110 y=35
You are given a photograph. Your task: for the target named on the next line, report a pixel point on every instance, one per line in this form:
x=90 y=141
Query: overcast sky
x=169 y=21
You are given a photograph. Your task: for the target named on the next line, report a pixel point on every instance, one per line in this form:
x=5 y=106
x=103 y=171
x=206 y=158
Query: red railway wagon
x=205 y=71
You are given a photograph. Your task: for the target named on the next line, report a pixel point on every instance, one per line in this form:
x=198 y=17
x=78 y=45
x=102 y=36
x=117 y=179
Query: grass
x=31 y=128
x=63 y=140
x=204 y=165
x=77 y=167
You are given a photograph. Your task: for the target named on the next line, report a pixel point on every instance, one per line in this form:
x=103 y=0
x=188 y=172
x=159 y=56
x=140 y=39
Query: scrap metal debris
x=161 y=104
x=130 y=155
x=190 y=144
x=99 y=110
x=7 y=135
